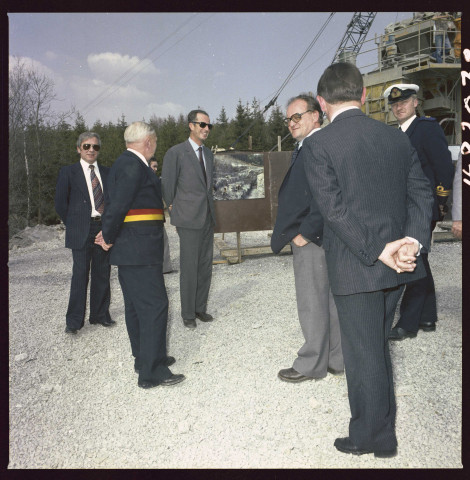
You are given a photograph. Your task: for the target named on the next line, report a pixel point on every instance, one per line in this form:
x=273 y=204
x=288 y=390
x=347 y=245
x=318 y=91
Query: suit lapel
x=195 y=161
x=410 y=129
x=79 y=178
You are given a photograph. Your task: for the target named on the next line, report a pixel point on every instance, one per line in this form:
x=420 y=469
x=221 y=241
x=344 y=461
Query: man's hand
x=389 y=256
x=457 y=229
x=406 y=257
x=299 y=241
x=99 y=240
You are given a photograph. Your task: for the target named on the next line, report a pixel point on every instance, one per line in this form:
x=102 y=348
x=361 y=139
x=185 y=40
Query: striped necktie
x=97 y=191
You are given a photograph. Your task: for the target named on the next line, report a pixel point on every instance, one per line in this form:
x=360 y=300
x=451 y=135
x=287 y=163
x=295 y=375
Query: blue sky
x=144 y=64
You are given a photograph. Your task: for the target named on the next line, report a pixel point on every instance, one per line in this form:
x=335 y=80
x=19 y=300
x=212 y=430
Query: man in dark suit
x=376 y=204
x=187 y=175
x=418 y=310
x=79 y=202
x=299 y=222
x=133 y=229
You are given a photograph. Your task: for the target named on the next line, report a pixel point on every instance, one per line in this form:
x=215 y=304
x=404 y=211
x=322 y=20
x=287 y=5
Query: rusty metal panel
x=248 y=215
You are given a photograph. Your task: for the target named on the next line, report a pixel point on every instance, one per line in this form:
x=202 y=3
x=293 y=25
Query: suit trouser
x=90 y=257
x=146 y=309
x=419 y=300
x=196 y=254
x=317 y=314
x=166 y=253
x=366 y=320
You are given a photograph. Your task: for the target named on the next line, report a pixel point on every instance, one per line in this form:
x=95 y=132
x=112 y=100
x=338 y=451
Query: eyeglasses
x=204 y=125
x=295 y=118
x=86 y=146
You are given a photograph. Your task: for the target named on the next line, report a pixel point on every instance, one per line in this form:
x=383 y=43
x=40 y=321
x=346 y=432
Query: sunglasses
x=295 y=118
x=204 y=125
x=86 y=146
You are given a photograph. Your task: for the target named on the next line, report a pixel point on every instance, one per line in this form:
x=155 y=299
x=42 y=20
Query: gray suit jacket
x=370 y=188
x=184 y=186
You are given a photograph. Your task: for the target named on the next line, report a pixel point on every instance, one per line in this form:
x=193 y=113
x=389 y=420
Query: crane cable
x=287 y=80
x=110 y=90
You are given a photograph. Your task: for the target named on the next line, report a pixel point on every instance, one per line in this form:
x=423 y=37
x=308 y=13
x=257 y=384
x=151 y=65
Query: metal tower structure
x=354 y=37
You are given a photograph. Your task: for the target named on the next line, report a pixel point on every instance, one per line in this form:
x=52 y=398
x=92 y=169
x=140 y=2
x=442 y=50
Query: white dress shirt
x=196 y=150
x=86 y=172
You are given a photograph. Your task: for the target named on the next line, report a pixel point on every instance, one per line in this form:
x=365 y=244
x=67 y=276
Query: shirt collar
x=341 y=110
x=404 y=126
x=302 y=141
x=139 y=155
x=194 y=144
x=86 y=165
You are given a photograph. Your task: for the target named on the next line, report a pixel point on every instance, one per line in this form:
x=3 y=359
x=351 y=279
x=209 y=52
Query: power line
x=110 y=90
x=286 y=81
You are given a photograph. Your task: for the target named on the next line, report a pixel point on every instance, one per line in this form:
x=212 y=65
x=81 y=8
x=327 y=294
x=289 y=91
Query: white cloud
x=31 y=64
x=110 y=67
x=162 y=110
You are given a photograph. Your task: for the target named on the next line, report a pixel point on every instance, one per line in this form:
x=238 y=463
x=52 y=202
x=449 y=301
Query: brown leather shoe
x=291 y=375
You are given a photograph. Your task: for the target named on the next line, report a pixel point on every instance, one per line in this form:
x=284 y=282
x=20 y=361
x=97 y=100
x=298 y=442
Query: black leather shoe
x=169 y=362
x=173 y=380
x=291 y=375
x=73 y=331
x=190 y=323
x=204 y=317
x=397 y=333
x=427 y=326
x=105 y=323
x=346 y=446
x=335 y=372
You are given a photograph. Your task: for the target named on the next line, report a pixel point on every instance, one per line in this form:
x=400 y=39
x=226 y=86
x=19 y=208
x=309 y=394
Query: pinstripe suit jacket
x=184 y=186
x=368 y=183
x=73 y=203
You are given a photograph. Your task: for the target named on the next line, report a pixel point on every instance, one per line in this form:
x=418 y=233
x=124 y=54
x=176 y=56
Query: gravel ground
x=74 y=400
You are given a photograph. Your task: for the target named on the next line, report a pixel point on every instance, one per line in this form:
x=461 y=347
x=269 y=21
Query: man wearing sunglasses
x=187 y=177
x=79 y=201
x=299 y=222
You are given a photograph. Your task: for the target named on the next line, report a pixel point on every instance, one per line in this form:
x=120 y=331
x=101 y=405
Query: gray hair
x=138 y=131
x=85 y=136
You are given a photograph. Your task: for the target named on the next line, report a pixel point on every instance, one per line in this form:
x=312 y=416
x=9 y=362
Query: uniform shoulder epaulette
x=427 y=118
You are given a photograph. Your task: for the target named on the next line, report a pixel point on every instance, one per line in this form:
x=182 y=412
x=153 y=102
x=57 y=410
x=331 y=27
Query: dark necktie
x=201 y=161
x=294 y=154
x=97 y=191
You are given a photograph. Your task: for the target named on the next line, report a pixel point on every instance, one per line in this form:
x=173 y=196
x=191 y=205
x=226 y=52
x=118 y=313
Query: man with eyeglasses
x=187 y=177
x=299 y=222
x=418 y=309
x=79 y=201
